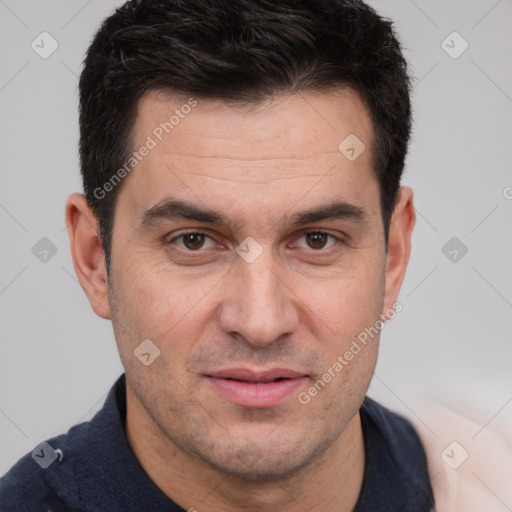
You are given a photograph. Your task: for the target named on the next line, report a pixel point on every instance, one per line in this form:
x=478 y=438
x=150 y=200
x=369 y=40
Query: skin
x=295 y=306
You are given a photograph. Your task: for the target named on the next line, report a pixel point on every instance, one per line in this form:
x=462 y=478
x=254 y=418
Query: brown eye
x=317 y=240
x=193 y=241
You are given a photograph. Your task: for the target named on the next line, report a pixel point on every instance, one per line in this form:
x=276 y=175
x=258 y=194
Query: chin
x=257 y=462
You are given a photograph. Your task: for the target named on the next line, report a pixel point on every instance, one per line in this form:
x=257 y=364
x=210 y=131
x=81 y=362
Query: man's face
x=292 y=299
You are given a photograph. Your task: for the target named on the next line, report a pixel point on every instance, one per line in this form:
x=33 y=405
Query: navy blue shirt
x=92 y=468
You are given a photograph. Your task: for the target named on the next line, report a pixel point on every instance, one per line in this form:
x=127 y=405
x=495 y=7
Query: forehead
x=210 y=150
x=295 y=126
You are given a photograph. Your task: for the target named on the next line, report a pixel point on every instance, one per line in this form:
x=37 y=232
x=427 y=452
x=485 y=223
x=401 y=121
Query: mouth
x=259 y=382
x=256 y=388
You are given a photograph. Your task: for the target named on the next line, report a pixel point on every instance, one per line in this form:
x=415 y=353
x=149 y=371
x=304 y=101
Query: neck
x=331 y=483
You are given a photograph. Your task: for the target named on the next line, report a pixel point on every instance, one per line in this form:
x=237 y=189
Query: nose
x=258 y=304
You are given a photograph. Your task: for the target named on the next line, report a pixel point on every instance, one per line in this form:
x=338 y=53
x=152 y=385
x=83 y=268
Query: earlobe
x=87 y=253
x=399 y=248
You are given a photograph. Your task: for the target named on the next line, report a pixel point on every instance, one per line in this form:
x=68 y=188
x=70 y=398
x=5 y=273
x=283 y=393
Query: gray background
x=451 y=342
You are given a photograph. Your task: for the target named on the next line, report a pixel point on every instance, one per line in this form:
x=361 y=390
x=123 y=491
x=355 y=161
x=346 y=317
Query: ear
x=399 y=248
x=87 y=253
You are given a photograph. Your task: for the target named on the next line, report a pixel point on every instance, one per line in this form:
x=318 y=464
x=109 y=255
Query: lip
x=256 y=388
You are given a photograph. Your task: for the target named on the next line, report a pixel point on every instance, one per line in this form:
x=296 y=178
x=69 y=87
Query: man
x=244 y=228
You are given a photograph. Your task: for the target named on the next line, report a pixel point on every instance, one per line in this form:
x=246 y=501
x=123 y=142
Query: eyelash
x=194 y=232
x=328 y=251
x=338 y=240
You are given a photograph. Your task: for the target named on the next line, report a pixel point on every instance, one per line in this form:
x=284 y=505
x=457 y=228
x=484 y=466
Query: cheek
x=346 y=313
x=163 y=306
x=347 y=304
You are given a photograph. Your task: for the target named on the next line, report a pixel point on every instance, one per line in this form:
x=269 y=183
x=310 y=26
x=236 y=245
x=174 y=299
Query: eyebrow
x=171 y=209
x=341 y=210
